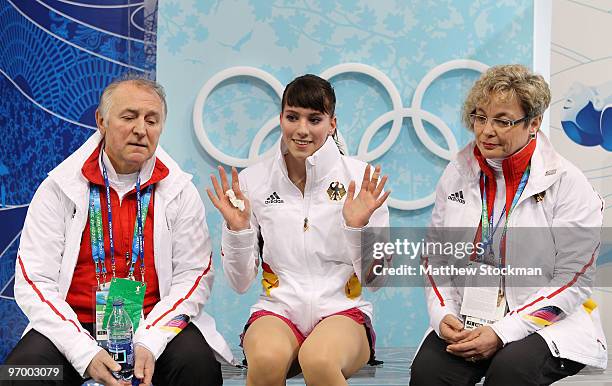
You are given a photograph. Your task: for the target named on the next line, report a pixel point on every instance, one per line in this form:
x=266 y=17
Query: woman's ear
x=333 y=123
x=535 y=124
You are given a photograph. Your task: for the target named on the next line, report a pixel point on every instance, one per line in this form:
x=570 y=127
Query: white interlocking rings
x=396 y=116
x=198 y=110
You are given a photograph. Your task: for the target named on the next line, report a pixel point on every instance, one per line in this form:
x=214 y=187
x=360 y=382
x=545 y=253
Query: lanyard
x=488 y=230
x=96 y=229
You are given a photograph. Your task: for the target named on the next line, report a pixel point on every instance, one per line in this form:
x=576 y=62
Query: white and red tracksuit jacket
x=307 y=274
x=557 y=197
x=49 y=249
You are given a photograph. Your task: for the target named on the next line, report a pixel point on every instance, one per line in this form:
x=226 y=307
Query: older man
x=94 y=198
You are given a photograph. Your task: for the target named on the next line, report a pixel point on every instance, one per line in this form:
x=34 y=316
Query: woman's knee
x=317 y=360
x=267 y=366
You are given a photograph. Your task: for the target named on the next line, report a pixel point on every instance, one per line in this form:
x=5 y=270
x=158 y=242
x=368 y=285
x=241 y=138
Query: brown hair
x=506 y=82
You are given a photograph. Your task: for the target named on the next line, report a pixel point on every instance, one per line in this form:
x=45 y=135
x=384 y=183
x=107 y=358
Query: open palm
x=235 y=218
x=358 y=210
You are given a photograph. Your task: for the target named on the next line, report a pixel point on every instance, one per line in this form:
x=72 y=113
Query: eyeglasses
x=497 y=123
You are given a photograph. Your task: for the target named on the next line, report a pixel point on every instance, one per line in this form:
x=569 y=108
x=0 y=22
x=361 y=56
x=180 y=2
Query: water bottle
x=120 y=345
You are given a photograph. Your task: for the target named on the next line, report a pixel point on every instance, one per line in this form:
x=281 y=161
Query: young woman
x=302 y=223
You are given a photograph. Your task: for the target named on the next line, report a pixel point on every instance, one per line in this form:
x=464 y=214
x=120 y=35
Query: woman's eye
x=291 y=118
x=315 y=121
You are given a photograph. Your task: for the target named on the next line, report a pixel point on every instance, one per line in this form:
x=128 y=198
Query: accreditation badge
x=132 y=292
x=101 y=295
x=484 y=300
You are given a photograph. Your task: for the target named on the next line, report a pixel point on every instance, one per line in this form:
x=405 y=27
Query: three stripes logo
x=457 y=197
x=274 y=199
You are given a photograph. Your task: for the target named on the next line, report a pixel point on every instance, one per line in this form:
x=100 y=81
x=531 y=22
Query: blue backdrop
x=56 y=56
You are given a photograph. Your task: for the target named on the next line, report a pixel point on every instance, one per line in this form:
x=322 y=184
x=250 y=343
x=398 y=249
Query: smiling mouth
x=301 y=142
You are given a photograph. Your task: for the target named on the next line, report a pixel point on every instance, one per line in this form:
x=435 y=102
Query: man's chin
x=138 y=158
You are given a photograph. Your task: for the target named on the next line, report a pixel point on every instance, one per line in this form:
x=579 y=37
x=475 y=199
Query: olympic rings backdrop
x=400 y=70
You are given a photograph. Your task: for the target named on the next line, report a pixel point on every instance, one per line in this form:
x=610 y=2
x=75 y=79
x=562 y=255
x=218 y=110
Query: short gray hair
x=106 y=99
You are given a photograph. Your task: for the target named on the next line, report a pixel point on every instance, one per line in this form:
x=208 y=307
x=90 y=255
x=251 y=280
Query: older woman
x=531 y=331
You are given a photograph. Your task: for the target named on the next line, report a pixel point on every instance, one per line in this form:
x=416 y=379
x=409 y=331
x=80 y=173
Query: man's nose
x=139 y=127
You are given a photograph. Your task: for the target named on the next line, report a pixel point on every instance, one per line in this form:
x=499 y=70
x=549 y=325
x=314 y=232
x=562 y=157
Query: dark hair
x=312 y=92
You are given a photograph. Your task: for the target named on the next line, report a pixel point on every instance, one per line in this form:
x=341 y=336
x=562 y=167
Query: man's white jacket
x=562 y=204
x=314 y=272
x=49 y=249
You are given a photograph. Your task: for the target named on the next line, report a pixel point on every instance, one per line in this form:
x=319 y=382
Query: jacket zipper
x=307 y=197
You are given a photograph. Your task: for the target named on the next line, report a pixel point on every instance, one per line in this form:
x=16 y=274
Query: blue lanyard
x=488 y=230
x=96 y=229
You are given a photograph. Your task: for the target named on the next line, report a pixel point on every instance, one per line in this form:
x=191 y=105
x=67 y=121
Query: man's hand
x=481 y=343
x=451 y=329
x=100 y=369
x=144 y=364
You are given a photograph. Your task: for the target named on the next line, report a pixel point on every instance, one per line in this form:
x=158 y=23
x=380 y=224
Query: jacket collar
x=546 y=165
x=74 y=185
x=152 y=172
x=319 y=164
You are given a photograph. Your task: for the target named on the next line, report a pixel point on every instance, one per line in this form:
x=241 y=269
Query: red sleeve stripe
x=566 y=286
x=433 y=285
x=42 y=298
x=528 y=305
x=578 y=274
x=178 y=302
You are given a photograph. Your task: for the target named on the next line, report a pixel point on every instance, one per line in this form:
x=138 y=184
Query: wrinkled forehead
x=130 y=96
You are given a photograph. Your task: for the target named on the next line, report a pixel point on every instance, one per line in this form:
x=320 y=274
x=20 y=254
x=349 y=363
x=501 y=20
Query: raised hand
x=358 y=210
x=235 y=218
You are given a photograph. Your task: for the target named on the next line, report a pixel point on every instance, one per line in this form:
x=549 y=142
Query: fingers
x=148 y=372
x=454 y=323
x=350 y=194
x=366 y=178
x=468 y=348
x=236 y=184
x=110 y=363
x=381 y=200
x=213 y=199
x=139 y=364
x=464 y=336
x=224 y=183
x=378 y=188
x=216 y=186
x=104 y=376
x=374 y=181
